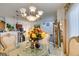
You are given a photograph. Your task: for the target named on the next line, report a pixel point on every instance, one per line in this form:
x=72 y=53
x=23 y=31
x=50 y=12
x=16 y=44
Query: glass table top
x=33 y=52
x=27 y=51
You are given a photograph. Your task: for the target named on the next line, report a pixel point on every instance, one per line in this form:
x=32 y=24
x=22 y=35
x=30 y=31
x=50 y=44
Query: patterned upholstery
x=9 y=41
x=74 y=46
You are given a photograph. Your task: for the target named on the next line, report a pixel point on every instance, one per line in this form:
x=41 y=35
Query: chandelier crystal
x=32 y=15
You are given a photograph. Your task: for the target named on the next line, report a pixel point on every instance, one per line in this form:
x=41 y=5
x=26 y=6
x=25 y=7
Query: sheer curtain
x=73 y=20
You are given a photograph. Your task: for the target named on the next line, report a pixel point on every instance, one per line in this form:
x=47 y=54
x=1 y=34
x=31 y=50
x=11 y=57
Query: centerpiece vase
x=35 y=44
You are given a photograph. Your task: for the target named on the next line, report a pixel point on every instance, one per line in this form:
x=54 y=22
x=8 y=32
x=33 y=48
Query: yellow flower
x=43 y=34
x=33 y=35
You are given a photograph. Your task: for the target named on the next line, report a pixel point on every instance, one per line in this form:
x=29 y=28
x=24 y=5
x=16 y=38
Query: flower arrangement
x=36 y=33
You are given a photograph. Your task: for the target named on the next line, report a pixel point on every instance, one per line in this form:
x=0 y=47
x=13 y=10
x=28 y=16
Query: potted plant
x=10 y=27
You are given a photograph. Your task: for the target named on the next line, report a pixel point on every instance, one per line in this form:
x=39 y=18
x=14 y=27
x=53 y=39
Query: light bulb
x=37 y=16
x=40 y=12
x=22 y=10
x=32 y=9
x=25 y=14
x=31 y=18
x=60 y=24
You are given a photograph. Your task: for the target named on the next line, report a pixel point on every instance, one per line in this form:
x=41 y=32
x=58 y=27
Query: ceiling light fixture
x=32 y=15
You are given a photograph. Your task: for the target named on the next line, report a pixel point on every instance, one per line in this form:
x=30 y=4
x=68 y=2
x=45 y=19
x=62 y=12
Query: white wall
x=46 y=23
x=73 y=19
x=43 y=23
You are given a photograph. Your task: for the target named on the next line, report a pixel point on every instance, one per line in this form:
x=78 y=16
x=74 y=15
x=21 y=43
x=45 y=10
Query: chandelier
x=32 y=15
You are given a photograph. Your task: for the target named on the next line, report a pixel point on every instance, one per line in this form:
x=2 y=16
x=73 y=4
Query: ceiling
x=9 y=9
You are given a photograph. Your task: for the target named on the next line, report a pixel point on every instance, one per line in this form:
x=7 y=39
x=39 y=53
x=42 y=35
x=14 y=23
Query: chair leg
x=3 y=45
